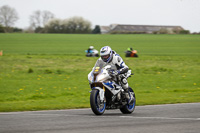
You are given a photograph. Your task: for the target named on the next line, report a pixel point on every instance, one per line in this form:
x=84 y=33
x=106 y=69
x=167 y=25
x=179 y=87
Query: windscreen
x=100 y=64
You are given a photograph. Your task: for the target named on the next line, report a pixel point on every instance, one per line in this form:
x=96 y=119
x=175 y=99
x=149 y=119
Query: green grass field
x=49 y=71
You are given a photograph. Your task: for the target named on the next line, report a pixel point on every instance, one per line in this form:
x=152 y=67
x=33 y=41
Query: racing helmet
x=106 y=54
x=91 y=47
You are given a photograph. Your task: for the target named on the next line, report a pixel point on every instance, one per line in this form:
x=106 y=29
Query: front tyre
x=96 y=105
x=129 y=108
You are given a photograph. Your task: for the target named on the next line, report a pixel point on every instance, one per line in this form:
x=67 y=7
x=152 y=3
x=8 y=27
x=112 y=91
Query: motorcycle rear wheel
x=97 y=107
x=129 y=108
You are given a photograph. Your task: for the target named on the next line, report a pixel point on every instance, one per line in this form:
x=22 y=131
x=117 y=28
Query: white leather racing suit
x=120 y=66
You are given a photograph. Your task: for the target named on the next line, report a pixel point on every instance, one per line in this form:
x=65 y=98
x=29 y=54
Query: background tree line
x=44 y=22
x=70 y=25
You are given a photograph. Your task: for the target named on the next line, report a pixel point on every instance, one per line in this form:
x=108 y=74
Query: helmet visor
x=105 y=57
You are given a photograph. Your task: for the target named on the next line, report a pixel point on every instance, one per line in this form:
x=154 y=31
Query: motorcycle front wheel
x=97 y=107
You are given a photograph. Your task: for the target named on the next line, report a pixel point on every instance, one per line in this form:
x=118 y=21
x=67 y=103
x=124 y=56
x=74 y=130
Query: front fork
x=101 y=92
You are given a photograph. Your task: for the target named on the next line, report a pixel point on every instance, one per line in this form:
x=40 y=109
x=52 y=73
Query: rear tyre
x=129 y=108
x=97 y=107
x=135 y=55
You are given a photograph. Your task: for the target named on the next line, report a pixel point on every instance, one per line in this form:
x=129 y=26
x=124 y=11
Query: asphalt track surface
x=170 y=118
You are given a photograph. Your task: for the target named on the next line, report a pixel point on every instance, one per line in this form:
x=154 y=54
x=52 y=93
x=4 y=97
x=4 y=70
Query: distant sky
x=185 y=13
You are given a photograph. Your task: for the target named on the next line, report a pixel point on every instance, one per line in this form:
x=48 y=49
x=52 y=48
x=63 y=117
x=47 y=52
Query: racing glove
x=114 y=73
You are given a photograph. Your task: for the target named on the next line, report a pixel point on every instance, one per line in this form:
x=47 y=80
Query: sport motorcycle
x=92 y=53
x=107 y=92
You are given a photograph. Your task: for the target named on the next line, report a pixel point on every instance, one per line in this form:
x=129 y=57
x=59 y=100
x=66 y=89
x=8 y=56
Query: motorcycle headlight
x=90 y=79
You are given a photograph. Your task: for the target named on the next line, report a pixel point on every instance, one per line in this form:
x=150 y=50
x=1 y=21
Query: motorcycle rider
x=90 y=49
x=91 y=52
x=110 y=57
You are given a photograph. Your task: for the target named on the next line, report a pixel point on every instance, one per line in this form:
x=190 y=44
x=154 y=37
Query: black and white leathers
x=119 y=64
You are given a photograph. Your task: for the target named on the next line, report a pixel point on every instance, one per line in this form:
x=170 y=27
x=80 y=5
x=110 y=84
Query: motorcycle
x=132 y=53
x=107 y=92
x=92 y=53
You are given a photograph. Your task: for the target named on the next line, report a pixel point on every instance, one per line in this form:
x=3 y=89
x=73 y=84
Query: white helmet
x=91 y=47
x=106 y=54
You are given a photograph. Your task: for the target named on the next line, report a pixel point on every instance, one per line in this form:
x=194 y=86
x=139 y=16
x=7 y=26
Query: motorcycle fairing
x=111 y=86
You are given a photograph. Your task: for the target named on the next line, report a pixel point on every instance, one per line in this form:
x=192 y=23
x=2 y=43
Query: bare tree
x=40 y=18
x=46 y=16
x=8 y=16
x=35 y=19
